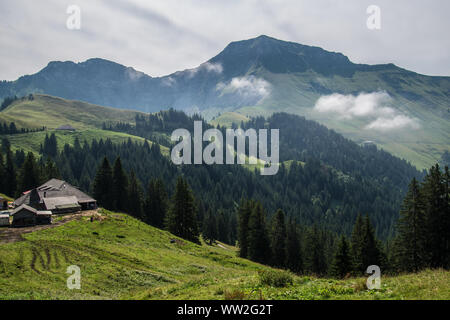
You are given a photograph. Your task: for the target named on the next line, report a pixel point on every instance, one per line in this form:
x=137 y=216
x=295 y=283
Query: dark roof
x=53 y=188
x=61 y=203
x=23 y=206
x=66 y=127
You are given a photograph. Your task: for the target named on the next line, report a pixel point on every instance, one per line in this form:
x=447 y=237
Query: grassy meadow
x=123 y=258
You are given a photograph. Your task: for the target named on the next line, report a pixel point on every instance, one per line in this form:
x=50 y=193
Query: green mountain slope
x=122 y=258
x=261 y=76
x=53 y=112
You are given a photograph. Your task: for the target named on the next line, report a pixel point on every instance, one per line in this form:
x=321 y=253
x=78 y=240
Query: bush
x=277 y=279
x=236 y=294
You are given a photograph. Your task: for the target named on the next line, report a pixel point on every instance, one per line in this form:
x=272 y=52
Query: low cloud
x=374 y=107
x=168 y=81
x=249 y=86
x=133 y=74
x=208 y=67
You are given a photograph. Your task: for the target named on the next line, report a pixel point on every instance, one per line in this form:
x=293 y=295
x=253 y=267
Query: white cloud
x=169 y=81
x=160 y=37
x=374 y=107
x=133 y=74
x=208 y=67
x=248 y=86
x=397 y=122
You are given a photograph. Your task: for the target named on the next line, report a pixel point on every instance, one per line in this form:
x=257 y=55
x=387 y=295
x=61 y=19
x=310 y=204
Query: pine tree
x=181 y=218
x=412 y=253
x=29 y=173
x=103 y=183
x=294 y=258
x=278 y=240
x=258 y=240
x=342 y=263
x=433 y=191
x=315 y=260
x=244 y=212
x=134 y=197
x=120 y=186
x=155 y=207
x=209 y=228
x=10 y=176
x=357 y=246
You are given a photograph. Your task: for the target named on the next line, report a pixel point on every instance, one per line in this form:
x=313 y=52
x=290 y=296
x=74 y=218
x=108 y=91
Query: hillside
x=53 y=112
x=122 y=258
x=264 y=75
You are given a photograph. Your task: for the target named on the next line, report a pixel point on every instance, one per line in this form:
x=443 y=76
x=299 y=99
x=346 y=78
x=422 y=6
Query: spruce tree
x=342 y=263
x=294 y=258
x=258 y=240
x=134 y=197
x=278 y=239
x=244 y=212
x=357 y=246
x=29 y=173
x=120 y=186
x=10 y=176
x=412 y=253
x=102 y=187
x=315 y=260
x=155 y=207
x=181 y=218
x=435 y=212
x=209 y=228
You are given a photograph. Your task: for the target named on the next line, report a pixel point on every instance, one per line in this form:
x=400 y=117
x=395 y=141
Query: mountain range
x=401 y=111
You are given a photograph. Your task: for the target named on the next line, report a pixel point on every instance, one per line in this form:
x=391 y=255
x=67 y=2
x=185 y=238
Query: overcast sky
x=159 y=37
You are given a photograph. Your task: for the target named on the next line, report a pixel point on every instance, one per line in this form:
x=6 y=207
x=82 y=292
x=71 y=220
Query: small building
x=57 y=196
x=44 y=217
x=66 y=127
x=62 y=204
x=4 y=219
x=24 y=216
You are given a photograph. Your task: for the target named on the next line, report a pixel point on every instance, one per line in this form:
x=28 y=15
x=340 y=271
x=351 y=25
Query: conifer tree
x=357 y=246
x=315 y=260
x=258 y=240
x=120 y=186
x=433 y=191
x=103 y=184
x=342 y=263
x=181 y=218
x=412 y=253
x=209 y=228
x=278 y=240
x=29 y=173
x=294 y=258
x=10 y=186
x=244 y=212
x=155 y=207
x=134 y=197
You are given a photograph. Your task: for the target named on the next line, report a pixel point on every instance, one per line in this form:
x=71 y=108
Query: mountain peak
x=278 y=56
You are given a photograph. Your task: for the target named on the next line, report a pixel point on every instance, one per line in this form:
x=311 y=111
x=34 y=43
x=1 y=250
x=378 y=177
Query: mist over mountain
x=381 y=103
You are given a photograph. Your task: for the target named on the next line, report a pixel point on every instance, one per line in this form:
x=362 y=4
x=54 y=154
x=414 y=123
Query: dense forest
x=334 y=212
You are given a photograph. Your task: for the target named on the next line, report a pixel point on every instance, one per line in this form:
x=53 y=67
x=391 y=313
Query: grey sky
x=159 y=37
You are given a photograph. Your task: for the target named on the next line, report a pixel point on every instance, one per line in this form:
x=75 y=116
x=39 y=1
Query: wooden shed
x=24 y=216
x=44 y=217
x=4 y=219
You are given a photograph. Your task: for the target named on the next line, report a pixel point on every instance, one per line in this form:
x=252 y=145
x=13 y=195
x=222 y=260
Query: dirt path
x=9 y=235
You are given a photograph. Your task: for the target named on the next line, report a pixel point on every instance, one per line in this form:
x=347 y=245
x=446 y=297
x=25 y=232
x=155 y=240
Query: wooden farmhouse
x=37 y=206
x=24 y=216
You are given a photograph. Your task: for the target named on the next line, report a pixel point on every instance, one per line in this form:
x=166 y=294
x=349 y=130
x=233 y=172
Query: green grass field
x=52 y=112
x=123 y=258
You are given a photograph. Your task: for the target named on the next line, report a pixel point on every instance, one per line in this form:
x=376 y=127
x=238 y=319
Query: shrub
x=236 y=294
x=277 y=279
